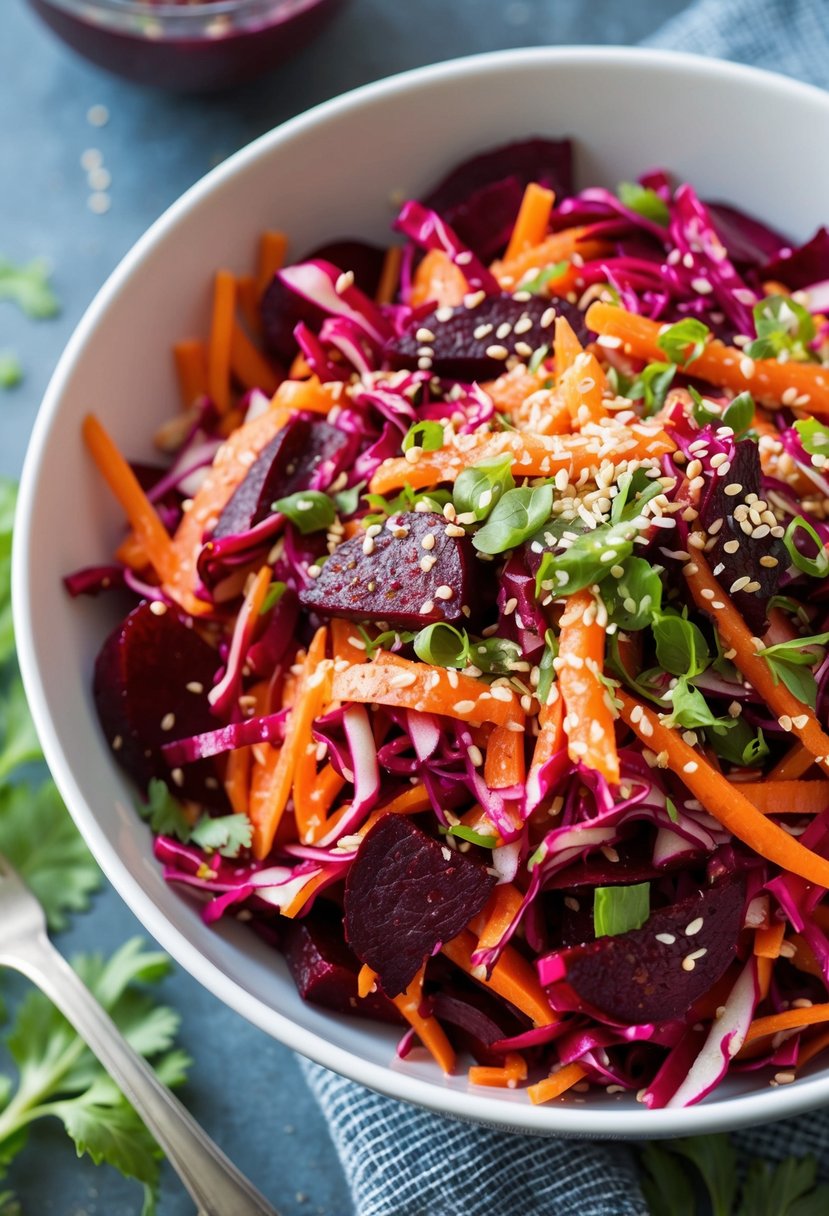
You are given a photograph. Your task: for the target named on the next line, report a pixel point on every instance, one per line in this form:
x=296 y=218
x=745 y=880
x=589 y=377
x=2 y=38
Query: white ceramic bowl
x=326 y=173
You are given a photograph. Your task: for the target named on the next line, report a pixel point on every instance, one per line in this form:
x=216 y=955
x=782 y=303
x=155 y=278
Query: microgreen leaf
x=308 y=510
x=681 y=647
x=739 y=414
x=226 y=835
x=782 y=327
x=494 y=656
x=514 y=518
x=684 y=341
x=791 y=664
x=274 y=595
x=463 y=833
x=740 y=744
x=814 y=436
x=427 y=435
x=588 y=559
x=619 y=909
x=537 y=284
x=690 y=710
x=644 y=202
x=635 y=598
x=817 y=566
x=651 y=386
x=442 y=645
x=347 y=501
x=546 y=670
x=538 y=357
x=479 y=487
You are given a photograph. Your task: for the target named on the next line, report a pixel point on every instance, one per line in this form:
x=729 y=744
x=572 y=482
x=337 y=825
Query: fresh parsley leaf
x=427 y=435
x=308 y=510
x=684 y=341
x=791 y=663
x=537 y=284
x=479 y=487
x=740 y=744
x=665 y=1183
x=163 y=812
x=681 y=647
x=634 y=490
x=28 y=287
x=515 y=518
x=651 y=386
x=739 y=414
x=443 y=645
x=690 y=710
x=43 y=844
x=814 y=436
x=226 y=835
x=782 y=327
x=644 y=202
x=20 y=744
x=716 y=1161
x=463 y=833
x=817 y=566
x=619 y=909
x=11 y=374
x=347 y=501
x=275 y=594
x=784 y=1190
x=58 y=1077
x=633 y=600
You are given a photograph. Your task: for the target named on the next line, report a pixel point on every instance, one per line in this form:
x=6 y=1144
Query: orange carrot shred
x=787 y=797
x=512 y=977
x=566 y=347
x=790 y=1019
x=559 y=247
x=272 y=249
x=249 y=365
x=438 y=281
x=814 y=1047
x=221 y=336
x=767 y=942
x=504 y=765
x=589 y=721
x=797 y=761
x=427 y=1028
x=237 y=779
x=149 y=531
x=531 y=223
x=366 y=979
x=498 y=915
x=514 y=1069
x=556 y=1084
x=389 y=275
x=191 y=368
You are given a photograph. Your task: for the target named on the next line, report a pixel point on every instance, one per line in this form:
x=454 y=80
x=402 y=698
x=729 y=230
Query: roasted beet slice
x=382 y=578
x=461 y=343
x=325 y=970
x=405 y=895
x=291 y=461
x=737 y=527
x=150 y=686
x=640 y=977
x=548 y=161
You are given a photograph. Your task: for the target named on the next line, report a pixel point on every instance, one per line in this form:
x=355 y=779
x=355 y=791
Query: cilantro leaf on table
x=19 y=743
x=28 y=287
x=11 y=374
x=787 y=1190
x=58 y=1077
x=665 y=1183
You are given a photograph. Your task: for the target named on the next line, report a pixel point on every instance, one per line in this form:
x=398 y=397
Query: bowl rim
x=472 y=1105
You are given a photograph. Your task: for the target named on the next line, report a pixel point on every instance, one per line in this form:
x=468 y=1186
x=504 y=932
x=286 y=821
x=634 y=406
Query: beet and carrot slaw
x=477 y=644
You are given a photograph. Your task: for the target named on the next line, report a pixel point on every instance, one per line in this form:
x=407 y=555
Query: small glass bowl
x=190 y=46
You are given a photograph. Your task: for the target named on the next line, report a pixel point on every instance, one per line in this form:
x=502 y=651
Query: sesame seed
x=168 y=721
x=473 y=298
x=547 y=317
x=344 y=281
x=733 y=488
x=475 y=755
x=426 y=608
x=403 y=679
x=688 y=963
x=784 y=1078
x=739 y=583
x=785 y=722
x=117 y=743
x=667 y=939
x=444 y=592
x=177 y=776
x=482 y=331
x=497 y=352
x=426 y=563
x=463 y=707
x=694 y=927
x=690 y=767
x=800 y=721
x=195 y=686
x=368 y=545
x=424 y=335
x=158 y=607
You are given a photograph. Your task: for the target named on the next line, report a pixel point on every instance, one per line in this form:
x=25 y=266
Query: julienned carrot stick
x=512 y=977
x=551 y=736
x=237 y=779
x=247 y=297
x=790 y=712
x=566 y=347
x=308 y=394
x=438 y=281
x=725 y=366
x=787 y=797
x=428 y=1029
x=230 y=466
x=390 y=680
x=191 y=369
x=304 y=893
x=767 y=942
x=797 y=761
x=267 y=808
x=221 y=335
x=557 y=1084
x=589 y=721
x=513 y=1070
x=149 y=531
x=365 y=980
x=582 y=388
x=814 y=1047
x=790 y=1019
x=410 y=802
x=722 y=800
x=500 y=912
x=559 y=247
x=347 y=644
x=249 y=366
x=389 y=275
x=504 y=764
x=272 y=249
x=533 y=455
x=532 y=220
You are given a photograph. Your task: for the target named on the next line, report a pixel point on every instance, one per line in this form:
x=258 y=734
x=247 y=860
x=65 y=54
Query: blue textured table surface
x=155 y=146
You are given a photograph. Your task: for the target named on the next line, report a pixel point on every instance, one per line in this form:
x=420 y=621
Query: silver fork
x=217 y=1187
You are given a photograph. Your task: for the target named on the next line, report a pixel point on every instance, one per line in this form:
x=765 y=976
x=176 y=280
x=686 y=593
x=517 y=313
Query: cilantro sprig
x=784 y=329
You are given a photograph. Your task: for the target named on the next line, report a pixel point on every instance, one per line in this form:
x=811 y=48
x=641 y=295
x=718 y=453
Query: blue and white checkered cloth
x=402 y=1161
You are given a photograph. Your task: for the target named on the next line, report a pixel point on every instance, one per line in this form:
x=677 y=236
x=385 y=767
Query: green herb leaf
x=385 y=641
x=684 y=341
x=226 y=835
x=308 y=510
x=690 y=710
x=11 y=372
x=538 y=357
x=486 y=842
x=665 y=1184
x=619 y=909
x=163 y=812
x=537 y=284
x=784 y=1190
x=681 y=647
x=791 y=663
x=587 y=560
x=28 y=287
x=479 y=487
x=514 y=519
x=782 y=327
x=645 y=202
x=427 y=435
x=705 y=412
x=633 y=600
x=274 y=595
x=347 y=501
x=494 y=656
x=814 y=437
x=670 y=807
x=20 y=743
x=739 y=414
x=817 y=566
x=651 y=386
x=739 y=744
x=633 y=491
x=716 y=1161
x=442 y=645
x=546 y=670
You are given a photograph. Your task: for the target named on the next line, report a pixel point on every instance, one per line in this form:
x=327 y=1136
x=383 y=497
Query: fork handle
x=214 y=1182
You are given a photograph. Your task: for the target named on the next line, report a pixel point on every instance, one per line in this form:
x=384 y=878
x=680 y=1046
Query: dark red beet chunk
x=405 y=895
x=287 y=464
x=459 y=354
x=389 y=584
x=745 y=471
x=142 y=698
x=325 y=970
x=548 y=161
x=635 y=978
